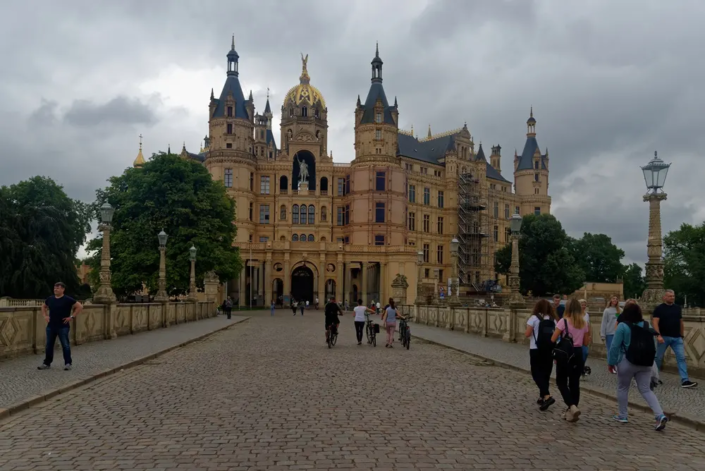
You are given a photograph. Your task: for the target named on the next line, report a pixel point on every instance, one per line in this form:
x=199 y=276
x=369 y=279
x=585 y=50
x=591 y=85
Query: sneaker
x=568 y=415
x=661 y=422
x=575 y=412
x=43 y=367
x=545 y=404
x=587 y=371
x=67 y=367
x=688 y=384
x=620 y=419
x=539 y=401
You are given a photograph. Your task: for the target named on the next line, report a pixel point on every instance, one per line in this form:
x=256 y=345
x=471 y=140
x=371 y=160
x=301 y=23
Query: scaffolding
x=473 y=248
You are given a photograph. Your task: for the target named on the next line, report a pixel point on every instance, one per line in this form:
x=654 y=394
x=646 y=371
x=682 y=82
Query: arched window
x=324 y=184
x=295 y=238
x=323 y=239
x=282 y=213
x=295 y=214
x=283 y=182
x=302 y=214
x=324 y=214
x=291 y=112
x=310 y=237
x=302 y=237
x=311 y=215
x=304 y=111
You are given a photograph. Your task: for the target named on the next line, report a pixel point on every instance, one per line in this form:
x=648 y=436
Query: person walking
x=62 y=310
x=272 y=307
x=586 y=346
x=668 y=324
x=389 y=318
x=575 y=330
x=293 y=305
x=229 y=307
x=360 y=311
x=557 y=306
x=609 y=321
x=539 y=330
x=302 y=306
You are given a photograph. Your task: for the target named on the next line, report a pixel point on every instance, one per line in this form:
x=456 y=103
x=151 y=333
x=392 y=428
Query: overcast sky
x=610 y=82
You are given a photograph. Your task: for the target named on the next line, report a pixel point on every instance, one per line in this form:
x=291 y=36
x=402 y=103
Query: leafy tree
x=684 y=263
x=41 y=230
x=598 y=257
x=634 y=283
x=546 y=265
x=176 y=195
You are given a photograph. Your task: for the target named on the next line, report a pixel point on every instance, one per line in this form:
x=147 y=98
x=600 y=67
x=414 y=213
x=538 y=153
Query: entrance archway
x=278 y=290
x=302 y=284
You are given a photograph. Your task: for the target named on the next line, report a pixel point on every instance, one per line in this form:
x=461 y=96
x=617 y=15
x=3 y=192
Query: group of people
x=390 y=314
x=560 y=334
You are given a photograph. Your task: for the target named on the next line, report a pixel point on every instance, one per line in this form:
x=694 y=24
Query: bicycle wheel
x=334 y=338
x=368 y=333
x=328 y=338
x=374 y=339
x=408 y=338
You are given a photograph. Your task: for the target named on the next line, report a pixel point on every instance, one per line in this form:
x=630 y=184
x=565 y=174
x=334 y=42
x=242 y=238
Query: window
x=380 y=181
x=283 y=183
x=426 y=223
x=536 y=191
x=264 y=239
x=536 y=177
x=379 y=212
x=252 y=181
x=347 y=184
x=261 y=134
x=424 y=170
x=249 y=239
x=304 y=112
x=324 y=214
x=440 y=274
x=425 y=254
x=507 y=234
x=495 y=209
x=347 y=239
x=295 y=214
x=506 y=211
x=302 y=238
x=264 y=214
x=252 y=210
x=379 y=240
x=409 y=167
x=229 y=128
x=439 y=254
x=440 y=199
x=341 y=187
x=537 y=210
x=339 y=215
x=426 y=273
x=440 y=225
x=412 y=194
x=228 y=178
x=311 y=238
x=282 y=213
x=228 y=145
x=516 y=210
x=295 y=238
x=426 y=196
x=303 y=213
x=347 y=215
x=324 y=186
x=536 y=165
x=378 y=118
x=412 y=221
x=495 y=234
x=264 y=185
x=436 y=173
x=311 y=214
x=230 y=111
x=378 y=134
x=493 y=186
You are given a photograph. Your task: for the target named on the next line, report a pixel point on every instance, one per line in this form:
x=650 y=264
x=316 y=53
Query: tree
x=41 y=230
x=684 y=263
x=598 y=257
x=176 y=195
x=546 y=265
x=634 y=283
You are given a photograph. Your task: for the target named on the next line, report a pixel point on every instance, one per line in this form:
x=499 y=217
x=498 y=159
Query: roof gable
x=376 y=92
x=232 y=85
x=527 y=155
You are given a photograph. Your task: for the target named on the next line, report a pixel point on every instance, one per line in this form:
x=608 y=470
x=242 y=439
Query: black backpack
x=642 y=349
x=543 y=339
x=563 y=353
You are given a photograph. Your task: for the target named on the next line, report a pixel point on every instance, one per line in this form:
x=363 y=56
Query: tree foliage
x=684 y=263
x=634 y=283
x=598 y=258
x=546 y=265
x=41 y=230
x=176 y=195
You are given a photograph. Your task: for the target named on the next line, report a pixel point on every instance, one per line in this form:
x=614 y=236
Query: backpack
x=642 y=349
x=543 y=339
x=228 y=304
x=564 y=351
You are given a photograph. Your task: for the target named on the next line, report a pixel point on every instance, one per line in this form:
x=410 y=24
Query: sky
x=610 y=82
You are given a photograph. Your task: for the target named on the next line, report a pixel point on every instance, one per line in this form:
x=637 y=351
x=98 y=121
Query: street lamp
x=104 y=294
x=419 y=284
x=192 y=282
x=655 y=177
x=516 y=300
x=162 y=296
x=454 y=300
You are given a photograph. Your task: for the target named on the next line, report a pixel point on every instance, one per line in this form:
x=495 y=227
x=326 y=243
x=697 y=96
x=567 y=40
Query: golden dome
x=139 y=161
x=304 y=92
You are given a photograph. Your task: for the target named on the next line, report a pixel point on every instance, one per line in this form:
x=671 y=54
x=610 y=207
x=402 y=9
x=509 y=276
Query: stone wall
x=509 y=326
x=22 y=329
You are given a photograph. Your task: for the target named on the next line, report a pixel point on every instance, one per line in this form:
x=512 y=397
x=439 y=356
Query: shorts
x=332 y=321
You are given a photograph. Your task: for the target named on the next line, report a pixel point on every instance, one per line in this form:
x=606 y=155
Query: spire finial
x=183 y=148
x=531 y=113
x=212 y=95
x=168 y=149
x=267 y=93
x=412 y=130
x=304 y=69
x=377 y=49
x=429 y=131
x=655 y=155
x=140 y=141
x=232 y=45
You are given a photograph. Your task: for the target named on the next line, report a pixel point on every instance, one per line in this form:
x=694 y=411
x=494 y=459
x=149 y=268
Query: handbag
x=564 y=351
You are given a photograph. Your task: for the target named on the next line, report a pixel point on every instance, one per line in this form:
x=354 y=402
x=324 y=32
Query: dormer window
x=378 y=134
x=230 y=111
x=536 y=165
x=304 y=112
x=378 y=118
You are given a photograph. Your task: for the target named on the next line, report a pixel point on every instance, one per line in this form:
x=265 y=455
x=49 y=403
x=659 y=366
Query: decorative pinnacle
x=377 y=49
x=531 y=113
x=140 y=141
x=232 y=46
x=429 y=131
x=267 y=93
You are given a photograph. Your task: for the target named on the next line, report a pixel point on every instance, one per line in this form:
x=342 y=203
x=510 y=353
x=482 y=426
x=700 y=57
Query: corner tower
x=531 y=174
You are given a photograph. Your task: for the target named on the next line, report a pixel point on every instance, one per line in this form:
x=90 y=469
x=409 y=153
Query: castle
x=312 y=228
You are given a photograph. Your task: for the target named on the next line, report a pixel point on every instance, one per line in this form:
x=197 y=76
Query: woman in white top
x=541 y=349
x=360 y=311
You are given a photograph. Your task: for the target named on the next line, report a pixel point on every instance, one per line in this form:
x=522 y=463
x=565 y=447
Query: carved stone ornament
x=305 y=137
x=400 y=281
x=211 y=277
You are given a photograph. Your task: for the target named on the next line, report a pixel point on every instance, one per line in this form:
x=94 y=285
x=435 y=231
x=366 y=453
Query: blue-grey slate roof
x=427 y=151
x=480 y=154
x=492 y=173
x=270 y=135
x=232 y=84
x=527 y=155
x=267 y=109
x=376 y=92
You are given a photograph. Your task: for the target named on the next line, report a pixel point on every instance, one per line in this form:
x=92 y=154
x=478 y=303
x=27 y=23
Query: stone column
x=268 y=279
x=420 y=298
x=241 y=287
x=105 y=294
x=383 y=294
x=348 y=285
x=516 y=300
x=287 y=277
x=654 y=291
x=363 y=283
x=339 y=278
x=192 y=297
x=321 y=280
x=162 y=296
x=260 y=282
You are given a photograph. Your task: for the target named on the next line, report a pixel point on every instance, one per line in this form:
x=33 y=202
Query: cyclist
x=332 y=310
x=360 y=312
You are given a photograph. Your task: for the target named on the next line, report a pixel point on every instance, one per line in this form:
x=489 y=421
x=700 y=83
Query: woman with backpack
x=574 y=333
x=539 y=330
x=632 y=354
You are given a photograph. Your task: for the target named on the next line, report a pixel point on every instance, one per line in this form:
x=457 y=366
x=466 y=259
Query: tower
x=531 y=173
x=265 y=146
x=496 y=157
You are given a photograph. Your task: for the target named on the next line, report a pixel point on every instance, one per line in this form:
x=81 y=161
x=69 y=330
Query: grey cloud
x=119 y=110
x=45 y=114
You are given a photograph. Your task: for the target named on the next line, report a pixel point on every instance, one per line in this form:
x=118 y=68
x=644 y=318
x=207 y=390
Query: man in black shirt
x=557 y=306
x=62 y=310
x=331 y=312
x=668 y=323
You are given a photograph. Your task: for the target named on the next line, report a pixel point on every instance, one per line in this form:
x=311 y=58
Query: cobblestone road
x=269 y=395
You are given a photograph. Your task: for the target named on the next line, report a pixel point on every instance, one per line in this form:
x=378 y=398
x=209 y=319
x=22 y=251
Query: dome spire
x=139 y=161
x=233 y=59
x=531 y=124
x=305 y=78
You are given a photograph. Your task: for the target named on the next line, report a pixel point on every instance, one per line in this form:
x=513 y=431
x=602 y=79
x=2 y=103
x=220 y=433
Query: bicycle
x=405 y=332
x=370 y=331
x=332 y=335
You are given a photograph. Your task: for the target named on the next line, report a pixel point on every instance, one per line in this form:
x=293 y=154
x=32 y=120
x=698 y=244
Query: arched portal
x=278 y=290
x=302 y=284
x=330 y=290
x=304 y=156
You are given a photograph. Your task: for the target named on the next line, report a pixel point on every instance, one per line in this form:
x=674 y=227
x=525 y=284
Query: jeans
x=229 y=312
x=586 y=350
x=608 y=341
x=359 y=328
x=63 y=333
x=568 y=377
x=676 y=344
x=642 y=375
x=541 y=367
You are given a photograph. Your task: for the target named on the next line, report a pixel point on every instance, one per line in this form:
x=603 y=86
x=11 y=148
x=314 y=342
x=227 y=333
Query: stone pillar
x=287 y=277
x=339 y=278
x=516 y=300
x=321 y=280
x=210 y=287
x=260 y=282
x=192 y=297
x=654 y=291
x=348 y=285
x=268 y=279
x=383 y=291
x=399 y=286
x=162 y=296
x=241 y=287
x=105 y=294
x=363 y=283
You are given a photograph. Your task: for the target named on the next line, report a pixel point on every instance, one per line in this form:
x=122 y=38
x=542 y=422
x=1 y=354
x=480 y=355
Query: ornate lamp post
x=192 y=282
x=515 y=299
x=655 y=177
x=162 y=296
x=454 y=300
x=105 y=294
x=419 y=284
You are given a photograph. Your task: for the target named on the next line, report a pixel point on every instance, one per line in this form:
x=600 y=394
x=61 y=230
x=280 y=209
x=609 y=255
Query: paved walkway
x=21 y=379
x=689 y=403
x=269 y=395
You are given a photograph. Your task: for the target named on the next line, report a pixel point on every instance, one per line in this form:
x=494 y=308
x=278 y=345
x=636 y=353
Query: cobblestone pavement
x=269 y=395
x=21 y=380
x=689 y=403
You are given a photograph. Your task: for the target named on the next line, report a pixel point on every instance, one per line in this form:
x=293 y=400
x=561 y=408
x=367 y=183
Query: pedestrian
x=272 y=307
x=62 y=310
x=316 y=304
x=302 y=305
x=632 y=355
x=569 y=361
x=668 y=323
x=389 y=318
x=360 y=311
x=558 y=307
x=293 y=306
x=539 y=329
x=229 y=307
x=586 y=346
x=609 y=321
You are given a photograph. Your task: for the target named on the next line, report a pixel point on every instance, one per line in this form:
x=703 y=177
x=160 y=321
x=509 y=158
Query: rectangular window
x=426 y=223
x=495 y=209
x=264 y=214
x=341 y=187
x=493 y=186
x=229 y=145
x=379 y=212
x=347 y=215
x=295 y=214
x=252 y=211
x=378 y=134
x=378 y=118
x=347 y=185
x=426 y=273
x=426 y=196
x=409 y=167
x=229 y=128
x=379 y=240
x=252 y=181
x=440 y=275
x=537 y=210
x=439 y=254
x=495 y=235
x=436 y=173
x=264 y=185
x=425 y=254
x=339 y=211
x=516 y=210
x=440 y=199
x=412 y=221
x=380 y=180
x=536 y=177
x=230 y=111
x=228 y=178
x=347 y=239
x=264 y=239
x=506 y=211
x=440 y=225
x=412 y=194
x=424 y=170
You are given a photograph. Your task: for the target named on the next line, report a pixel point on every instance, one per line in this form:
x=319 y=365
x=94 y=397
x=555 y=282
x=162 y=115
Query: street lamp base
x=516 y=301
x=192 y=298
x=104 y=295
x=652 y=296
x=161 y=297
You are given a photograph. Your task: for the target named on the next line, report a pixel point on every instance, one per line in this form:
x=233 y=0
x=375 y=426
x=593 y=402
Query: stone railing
x=10 y=302
x=509 y=325
x=22 y=329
